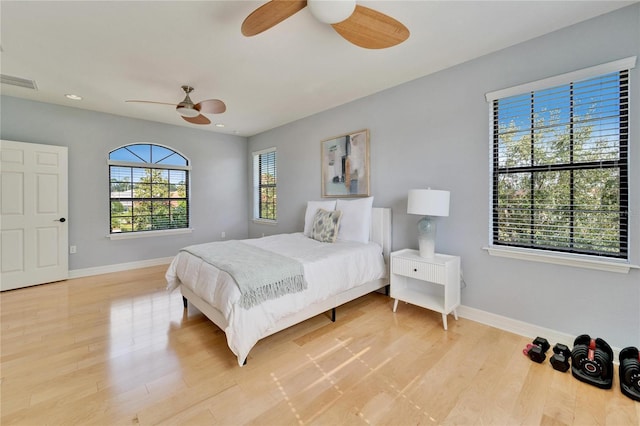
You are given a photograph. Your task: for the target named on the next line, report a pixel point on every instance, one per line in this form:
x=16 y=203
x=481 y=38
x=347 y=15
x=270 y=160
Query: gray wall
x=434 y=132
x=218 y=177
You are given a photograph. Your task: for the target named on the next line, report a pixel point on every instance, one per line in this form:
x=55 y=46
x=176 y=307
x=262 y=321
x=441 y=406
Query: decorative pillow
x=325 y=225
x=355 y=224
x=312 y=208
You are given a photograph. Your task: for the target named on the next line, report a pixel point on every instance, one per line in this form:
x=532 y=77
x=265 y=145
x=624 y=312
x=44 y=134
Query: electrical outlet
x=72 y=249
x=223 y=234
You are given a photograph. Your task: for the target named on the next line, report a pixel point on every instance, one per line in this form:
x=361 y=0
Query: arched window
x=149 y=189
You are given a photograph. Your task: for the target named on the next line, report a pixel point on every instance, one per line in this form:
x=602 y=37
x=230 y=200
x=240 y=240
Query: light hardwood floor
x=119 y=349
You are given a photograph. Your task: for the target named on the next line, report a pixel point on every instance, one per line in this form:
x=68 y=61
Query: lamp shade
x=428 y=202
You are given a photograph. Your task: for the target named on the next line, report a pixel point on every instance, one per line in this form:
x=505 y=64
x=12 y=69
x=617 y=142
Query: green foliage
x=268 y=196
x=154 y=204
x=561 y=204
x=120 y=186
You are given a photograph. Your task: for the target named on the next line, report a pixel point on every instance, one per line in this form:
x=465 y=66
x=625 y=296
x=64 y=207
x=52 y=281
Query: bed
x=334 y=272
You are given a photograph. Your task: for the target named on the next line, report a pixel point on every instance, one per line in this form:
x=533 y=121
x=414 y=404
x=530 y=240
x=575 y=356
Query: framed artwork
x=345 y=165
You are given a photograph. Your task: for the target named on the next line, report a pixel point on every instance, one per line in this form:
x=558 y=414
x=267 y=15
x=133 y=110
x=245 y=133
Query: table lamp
x=427 y=202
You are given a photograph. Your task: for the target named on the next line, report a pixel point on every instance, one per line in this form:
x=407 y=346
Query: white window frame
x=569 y=259
x=256 y=185
x=160 y=232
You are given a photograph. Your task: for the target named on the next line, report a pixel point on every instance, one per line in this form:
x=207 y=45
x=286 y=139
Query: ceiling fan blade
x=151 y=102
x=270 y=14
x=211 y=106
x=200 y=119
x=371 y=29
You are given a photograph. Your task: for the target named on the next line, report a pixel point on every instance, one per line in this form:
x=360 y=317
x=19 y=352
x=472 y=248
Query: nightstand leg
x=395 y=305
x=444 y=321
x=455 y=314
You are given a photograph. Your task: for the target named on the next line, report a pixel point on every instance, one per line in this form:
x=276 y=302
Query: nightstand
x=432 y=283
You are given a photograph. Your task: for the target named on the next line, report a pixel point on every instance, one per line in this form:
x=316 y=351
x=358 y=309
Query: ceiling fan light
x=187 y=111
x=331 y=11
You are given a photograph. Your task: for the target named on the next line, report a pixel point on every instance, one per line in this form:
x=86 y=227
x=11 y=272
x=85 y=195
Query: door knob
x=62 y=219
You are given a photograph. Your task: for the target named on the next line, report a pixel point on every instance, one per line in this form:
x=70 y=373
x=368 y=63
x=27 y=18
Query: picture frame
x=345 y=165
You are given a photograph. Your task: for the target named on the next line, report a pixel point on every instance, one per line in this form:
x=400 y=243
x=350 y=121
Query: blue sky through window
x=589 y=108
x=148 y=153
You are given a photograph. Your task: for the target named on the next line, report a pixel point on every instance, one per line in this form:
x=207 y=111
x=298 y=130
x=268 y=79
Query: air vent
x=17 y=81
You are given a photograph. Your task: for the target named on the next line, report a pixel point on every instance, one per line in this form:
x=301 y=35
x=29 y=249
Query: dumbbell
x=629 y=371
x=536 y=349
x=560 y=358
x=592 y=361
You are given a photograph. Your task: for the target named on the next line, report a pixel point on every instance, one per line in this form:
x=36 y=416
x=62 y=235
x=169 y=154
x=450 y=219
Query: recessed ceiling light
x=219 y=125
x=73 y=97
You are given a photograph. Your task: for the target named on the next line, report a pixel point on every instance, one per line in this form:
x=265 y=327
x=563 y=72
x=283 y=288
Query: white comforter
x=328 y=269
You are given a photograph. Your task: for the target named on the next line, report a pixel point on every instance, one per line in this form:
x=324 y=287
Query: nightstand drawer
x=419 y=270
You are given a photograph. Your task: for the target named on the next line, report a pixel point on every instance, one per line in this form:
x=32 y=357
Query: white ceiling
x=111 y=51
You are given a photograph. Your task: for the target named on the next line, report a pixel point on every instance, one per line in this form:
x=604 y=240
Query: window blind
x=560 y=167
x=149 y=189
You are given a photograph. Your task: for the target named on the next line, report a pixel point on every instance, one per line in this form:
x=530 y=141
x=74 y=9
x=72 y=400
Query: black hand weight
x=560 y=358
x=536 y=349
x=630 y=372
x=592 y=361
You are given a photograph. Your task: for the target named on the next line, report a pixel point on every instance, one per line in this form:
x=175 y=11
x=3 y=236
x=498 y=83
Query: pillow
x=356 y=219
x=312 y=208
x=325 y=225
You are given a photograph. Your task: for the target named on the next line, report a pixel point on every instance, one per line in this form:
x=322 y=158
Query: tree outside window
x=151 y=197
x=560 y=168
x=265 y=185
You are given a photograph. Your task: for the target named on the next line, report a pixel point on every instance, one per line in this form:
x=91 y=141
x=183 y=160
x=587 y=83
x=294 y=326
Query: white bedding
x=329 y=268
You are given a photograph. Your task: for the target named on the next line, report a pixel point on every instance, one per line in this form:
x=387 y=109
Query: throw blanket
x=259 y=274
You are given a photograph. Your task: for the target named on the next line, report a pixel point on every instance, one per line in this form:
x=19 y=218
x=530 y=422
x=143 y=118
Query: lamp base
x=427 y=237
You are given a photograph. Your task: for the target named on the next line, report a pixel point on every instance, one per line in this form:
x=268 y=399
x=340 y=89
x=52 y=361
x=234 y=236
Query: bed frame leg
x=184 y=302
x=333 y=315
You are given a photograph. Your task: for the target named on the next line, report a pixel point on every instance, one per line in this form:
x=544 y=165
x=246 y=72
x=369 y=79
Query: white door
x=33 y=214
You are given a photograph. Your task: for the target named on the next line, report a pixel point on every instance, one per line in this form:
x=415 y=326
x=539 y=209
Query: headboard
x=381 y=229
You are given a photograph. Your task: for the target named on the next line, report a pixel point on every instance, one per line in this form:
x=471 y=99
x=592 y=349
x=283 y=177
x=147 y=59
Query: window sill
x=265 y=222
x=145 y=234
x=578 y=261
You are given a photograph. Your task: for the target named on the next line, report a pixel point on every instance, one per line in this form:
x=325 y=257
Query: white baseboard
x=521 y=328
x=98 y=270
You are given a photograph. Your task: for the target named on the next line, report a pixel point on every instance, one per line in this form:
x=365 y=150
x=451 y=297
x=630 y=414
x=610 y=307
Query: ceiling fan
x=359 y=25
x=193 y=112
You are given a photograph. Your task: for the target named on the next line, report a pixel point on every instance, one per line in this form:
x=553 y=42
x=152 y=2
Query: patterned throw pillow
x=325 y=225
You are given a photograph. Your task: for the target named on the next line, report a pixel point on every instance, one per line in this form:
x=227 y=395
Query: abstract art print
x=345 y=165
